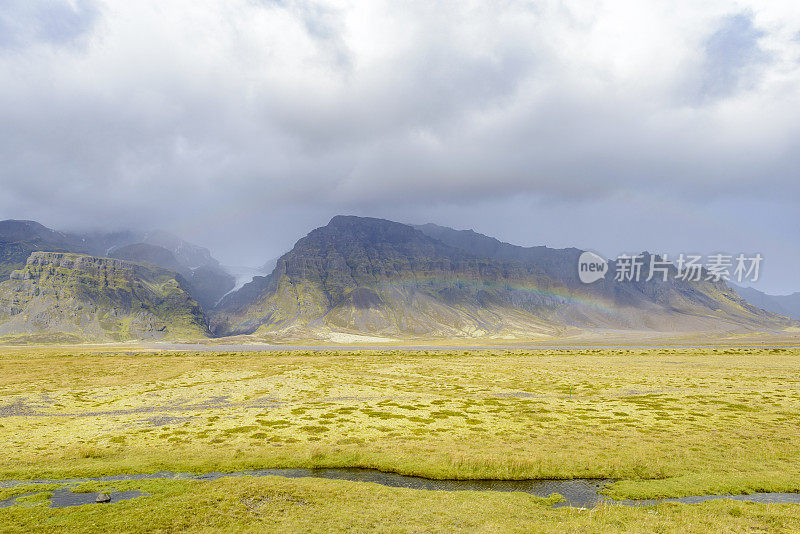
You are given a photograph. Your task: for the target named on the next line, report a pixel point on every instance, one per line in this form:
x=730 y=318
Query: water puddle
x=580 y=493
x=65 y=497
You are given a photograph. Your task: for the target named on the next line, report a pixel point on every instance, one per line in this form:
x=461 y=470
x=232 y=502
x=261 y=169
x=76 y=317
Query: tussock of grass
x=36 y=498
x=7 y=493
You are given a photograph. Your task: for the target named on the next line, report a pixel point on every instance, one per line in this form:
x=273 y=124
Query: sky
x=611 y=125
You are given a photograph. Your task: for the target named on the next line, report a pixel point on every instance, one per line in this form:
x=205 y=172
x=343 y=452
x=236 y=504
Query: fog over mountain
x=241 y=125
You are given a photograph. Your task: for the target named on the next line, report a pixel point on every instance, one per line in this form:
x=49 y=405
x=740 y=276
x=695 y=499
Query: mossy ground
x=669 y=422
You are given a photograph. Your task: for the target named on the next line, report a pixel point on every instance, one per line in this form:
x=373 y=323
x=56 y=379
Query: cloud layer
x=208 y=114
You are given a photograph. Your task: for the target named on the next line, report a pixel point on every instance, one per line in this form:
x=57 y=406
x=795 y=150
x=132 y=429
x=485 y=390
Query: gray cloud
x=260 y=119
x=733 y=56
x=58 y=22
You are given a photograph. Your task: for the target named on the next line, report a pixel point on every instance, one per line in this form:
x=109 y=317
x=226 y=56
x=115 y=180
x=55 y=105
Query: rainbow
x=558 y=294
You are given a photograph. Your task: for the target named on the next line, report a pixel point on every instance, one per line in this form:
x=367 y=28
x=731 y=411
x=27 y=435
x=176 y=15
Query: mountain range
x=355 y=278
x=787 y=305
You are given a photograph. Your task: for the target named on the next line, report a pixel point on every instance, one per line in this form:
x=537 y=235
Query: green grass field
x=666 y=422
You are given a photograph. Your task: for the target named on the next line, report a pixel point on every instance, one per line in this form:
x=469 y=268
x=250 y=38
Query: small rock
x=103 y=497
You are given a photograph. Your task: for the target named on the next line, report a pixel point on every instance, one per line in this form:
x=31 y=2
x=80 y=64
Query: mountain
x=353 y=277
x=372 y=276
x=58 y=296
x=155 y=255
x=207 y=280
x=696 y=301
x=786 y=305
x=188 y=254
x=557 y=263
x=18 y=239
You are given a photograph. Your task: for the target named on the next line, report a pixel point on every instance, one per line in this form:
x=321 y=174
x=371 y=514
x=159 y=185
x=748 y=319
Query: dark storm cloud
x=217 y=118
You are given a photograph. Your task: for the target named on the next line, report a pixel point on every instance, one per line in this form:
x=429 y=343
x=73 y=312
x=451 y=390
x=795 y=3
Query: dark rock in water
x=103 y=497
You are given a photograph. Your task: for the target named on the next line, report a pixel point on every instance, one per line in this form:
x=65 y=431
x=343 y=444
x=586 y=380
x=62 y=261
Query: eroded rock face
x=19 y=238
x=97 y=299
x=207 y=280
x=366 y=275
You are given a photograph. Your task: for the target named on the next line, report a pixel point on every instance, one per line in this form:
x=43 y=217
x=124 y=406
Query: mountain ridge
x=355 y=276
x=786 y=305
x=346 y=277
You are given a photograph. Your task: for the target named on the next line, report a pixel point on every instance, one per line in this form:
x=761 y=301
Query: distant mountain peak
x=786 y=305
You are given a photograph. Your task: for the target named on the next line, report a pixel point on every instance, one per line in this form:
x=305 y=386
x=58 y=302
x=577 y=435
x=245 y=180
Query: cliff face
x=96 y=299
x=18 y=239
x=372 y=275
x=208 y=280
x=362 y=275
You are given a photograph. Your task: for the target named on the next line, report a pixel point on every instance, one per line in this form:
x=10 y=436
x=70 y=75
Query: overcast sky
x=613 y=125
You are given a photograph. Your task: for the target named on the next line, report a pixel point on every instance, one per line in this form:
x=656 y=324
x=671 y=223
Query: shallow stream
x=580 y=493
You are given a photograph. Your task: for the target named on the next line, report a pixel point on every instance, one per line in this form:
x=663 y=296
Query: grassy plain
x=667 y=422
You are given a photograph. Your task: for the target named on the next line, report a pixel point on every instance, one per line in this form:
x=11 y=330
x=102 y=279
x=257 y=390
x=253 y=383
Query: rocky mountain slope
x=207 y=281
x=86 y=298
x=557 y=263
x=673 y=304
x=152 y=254
x=353 y=277
x=371 y=276
x=18 y=239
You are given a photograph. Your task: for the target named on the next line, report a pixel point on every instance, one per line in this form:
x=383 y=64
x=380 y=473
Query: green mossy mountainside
x=96 y=299
x=362 y=275
x=207 y=281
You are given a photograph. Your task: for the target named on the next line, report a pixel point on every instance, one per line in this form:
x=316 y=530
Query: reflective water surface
x=582 y=493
